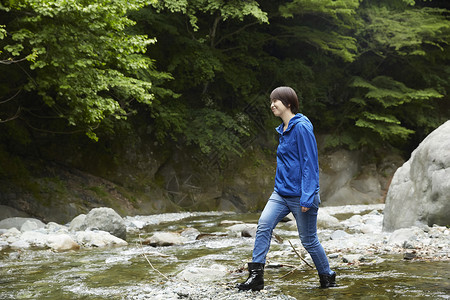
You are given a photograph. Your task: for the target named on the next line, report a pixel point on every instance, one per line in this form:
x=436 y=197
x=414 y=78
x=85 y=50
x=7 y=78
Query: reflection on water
x=117 y=273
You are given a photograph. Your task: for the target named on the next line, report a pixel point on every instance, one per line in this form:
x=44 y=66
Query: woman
x=296 y=190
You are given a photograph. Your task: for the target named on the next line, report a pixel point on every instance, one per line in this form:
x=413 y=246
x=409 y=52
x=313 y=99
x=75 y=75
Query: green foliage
x=206 y=77
x=385 y=108
x=224 y=10
x=213 y=130
x=340 y=11
x=82 y=61
x=332 y=35
x=366 y=72
x=401 y=78
x=408 y=32
x=2 y=32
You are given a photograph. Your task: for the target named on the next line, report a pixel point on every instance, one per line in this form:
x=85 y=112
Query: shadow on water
x=123 y=272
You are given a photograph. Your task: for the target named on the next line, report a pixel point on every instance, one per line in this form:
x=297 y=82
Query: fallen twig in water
x=289 y=273
x=145 y=256
x=300 y=256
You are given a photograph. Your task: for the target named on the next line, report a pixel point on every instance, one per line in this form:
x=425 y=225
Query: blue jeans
x=276 y=209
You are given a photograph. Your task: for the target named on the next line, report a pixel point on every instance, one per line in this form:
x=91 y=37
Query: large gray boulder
x=18 y=222
x=105 y=219
x=77 y=223
x=420 y=189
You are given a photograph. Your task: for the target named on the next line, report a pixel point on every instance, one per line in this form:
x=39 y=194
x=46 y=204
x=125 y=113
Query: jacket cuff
x=307 y=205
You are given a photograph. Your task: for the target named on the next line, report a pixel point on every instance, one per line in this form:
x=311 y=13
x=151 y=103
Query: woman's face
x=278 y=108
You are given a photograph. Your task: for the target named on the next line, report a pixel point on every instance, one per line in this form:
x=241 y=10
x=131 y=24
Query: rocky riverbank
x=351 y=235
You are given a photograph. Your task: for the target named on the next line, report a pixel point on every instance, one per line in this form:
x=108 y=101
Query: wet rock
x=373 y=218
x=55 y=227
x=420 y=189
x=17 y=222
x=77 y=223
x=14 y=255
x=36 y=239
x=238 y=229
x=190 y=233
x=11 y=232
x=409 y=255
x=352 y=258
x=405 y=235
x=20 y=245
x=367 y=229
x=135 y=224
x=98 y=239
x=229 y=222
x=249 y=232
x=333 y=255
x=438 y=231
x=353 y=222
x=3 y=245
x=29 y=226
x=165 y=239
x=411 y=244
x=325 y=220
x=62 y=242
x=210 y=236
x=339 y=234
x=196 y=274
x=105 y=219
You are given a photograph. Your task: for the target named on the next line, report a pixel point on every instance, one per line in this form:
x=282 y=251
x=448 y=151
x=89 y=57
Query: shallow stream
x=124 y=272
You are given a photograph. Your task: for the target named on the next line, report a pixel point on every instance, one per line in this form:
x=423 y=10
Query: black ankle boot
x=327 y=281
x=255 y=280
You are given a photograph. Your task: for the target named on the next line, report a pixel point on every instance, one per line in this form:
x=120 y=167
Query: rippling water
x=123 y=272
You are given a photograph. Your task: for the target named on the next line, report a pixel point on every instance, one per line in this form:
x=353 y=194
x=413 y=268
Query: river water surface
x=124 y=273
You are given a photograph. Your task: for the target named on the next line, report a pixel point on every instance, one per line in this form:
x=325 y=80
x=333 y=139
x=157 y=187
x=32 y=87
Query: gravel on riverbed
x=186 y=290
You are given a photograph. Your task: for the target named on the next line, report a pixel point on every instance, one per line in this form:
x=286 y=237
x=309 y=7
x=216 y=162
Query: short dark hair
x=287 y=96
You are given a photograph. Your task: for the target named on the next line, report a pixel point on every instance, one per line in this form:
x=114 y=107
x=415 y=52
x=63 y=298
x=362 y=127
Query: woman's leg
x=274 y=211
x=307 y=230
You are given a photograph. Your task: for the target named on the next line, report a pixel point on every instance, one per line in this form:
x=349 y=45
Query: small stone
x=248 y=232
x=333 y=255
x=409 y=255
x=20 y=245
x=352 y=258
x=190 y=233
x=339 y=234
x=230 y=222
x=165 y=239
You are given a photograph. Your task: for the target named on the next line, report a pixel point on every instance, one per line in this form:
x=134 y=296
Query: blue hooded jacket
x=297 y=172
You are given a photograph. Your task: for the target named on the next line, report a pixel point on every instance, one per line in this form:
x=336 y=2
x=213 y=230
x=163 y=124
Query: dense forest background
x=194 y=76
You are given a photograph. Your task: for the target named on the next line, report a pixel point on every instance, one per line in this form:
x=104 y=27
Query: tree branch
x=214 y=30
x=233 y=33
x=300 y=256
x=13 y=117
x=11 y=61
x=151 y=265
x=9 y=99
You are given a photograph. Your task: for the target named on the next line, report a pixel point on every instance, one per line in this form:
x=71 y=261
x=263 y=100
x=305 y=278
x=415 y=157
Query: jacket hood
x=292 y=122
